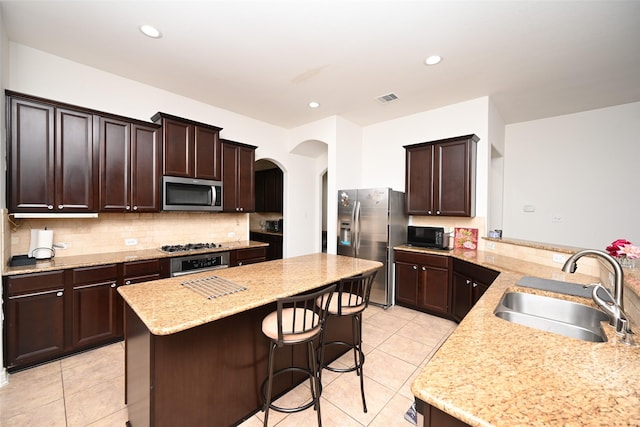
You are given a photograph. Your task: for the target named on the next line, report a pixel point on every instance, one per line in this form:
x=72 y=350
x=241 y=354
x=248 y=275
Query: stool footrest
x=307 y=405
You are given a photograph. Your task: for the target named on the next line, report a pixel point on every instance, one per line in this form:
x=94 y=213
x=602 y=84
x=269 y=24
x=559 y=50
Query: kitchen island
x=193 y=361
x=491 y=372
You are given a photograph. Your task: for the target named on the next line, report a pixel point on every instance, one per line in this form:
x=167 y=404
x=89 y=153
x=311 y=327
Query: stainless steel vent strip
x=213 y=286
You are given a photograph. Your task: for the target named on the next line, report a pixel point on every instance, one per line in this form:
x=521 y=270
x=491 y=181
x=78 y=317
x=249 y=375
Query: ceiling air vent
x=387 y=98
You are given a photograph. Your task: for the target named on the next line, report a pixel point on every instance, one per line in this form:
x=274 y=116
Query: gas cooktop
x=189 y=247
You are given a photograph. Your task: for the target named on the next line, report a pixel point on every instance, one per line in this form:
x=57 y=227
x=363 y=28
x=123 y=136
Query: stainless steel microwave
x=189 y=194
x=427 y=237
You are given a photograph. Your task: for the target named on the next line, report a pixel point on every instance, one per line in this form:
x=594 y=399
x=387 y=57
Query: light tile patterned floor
x=88 y=389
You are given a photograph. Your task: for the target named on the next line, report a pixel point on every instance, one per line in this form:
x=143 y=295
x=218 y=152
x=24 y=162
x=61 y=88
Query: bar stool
x=297 y=320
x=350 y=299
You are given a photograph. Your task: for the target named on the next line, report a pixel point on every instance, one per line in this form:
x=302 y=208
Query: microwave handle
x=214 y=195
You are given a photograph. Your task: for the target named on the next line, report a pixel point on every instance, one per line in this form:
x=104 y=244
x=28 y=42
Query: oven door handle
x=199 y=270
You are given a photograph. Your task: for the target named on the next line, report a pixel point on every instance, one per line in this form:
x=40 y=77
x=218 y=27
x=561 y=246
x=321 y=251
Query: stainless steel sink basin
x=553 y=315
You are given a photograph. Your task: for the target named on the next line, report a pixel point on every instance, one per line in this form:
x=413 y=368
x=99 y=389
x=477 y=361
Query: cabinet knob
x=50 y=207
x=468 y=282
x=429 y=212
x=59 y=293
x=135 y=208
x=127 y=282
x=437 y=212
x=475 y=285
x=113 y=285
x=415 y=267
x=128 y=207
x=241 y=209
x=240 y=263
x=424 y=268
x=60 y=207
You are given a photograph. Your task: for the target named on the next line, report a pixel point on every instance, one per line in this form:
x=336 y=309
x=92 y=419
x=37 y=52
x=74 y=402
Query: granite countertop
x=167 y=307
x=89 y=260
x=491 y=372
x=274 y=233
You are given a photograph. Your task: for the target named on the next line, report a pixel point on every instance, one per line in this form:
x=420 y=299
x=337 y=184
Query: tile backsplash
x=109 y=231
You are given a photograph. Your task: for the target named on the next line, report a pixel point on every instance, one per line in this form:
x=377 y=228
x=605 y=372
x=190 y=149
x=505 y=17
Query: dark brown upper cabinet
x=129 y=165
x=268 y=185
x=51 y=157
x=191 y=149
x=441 y=177
x=238 y=193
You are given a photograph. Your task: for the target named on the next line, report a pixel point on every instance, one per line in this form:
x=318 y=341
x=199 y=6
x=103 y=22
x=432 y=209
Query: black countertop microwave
x=427 y=237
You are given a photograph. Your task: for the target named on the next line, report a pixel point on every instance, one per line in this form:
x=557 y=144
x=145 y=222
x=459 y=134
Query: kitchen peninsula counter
x=491 y=372
x=193 y=361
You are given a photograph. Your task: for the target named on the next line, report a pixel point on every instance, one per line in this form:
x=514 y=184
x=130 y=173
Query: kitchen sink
x=554 y=315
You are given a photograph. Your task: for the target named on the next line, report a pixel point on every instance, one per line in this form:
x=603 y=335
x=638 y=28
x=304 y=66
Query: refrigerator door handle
x=357 y=226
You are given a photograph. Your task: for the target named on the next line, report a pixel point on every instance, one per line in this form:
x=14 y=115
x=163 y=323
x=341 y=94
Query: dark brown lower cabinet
x=469 y=282
x=95 y=298
x=35 y=321
x=247 y=256
x=274 y=251
x=434 y=417
x=423 y=282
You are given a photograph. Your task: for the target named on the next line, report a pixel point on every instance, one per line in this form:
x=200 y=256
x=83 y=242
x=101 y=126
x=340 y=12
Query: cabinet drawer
x=425 y=259
x=141 y=268
x=94 y=274
x=245 y=254
x=34 y=282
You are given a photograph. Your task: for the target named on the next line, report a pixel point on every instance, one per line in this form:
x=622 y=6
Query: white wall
x=583 y=168
x=4 y=64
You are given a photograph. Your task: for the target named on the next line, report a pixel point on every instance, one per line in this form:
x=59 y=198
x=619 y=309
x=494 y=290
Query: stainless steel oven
x=189 y=264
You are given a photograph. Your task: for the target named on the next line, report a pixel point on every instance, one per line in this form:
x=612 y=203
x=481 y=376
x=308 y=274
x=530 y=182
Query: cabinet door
x=419 y=180
x=35 y=317
x=178 y=148
x=74 y=166
x=207 y=153
x=434 y=289
x=115 y=148
x=94 y=305
x=260 y=184
x=145 y=169
x=246 y=187
x=229 y=178
x=407 y=283
x=31 y=152
x=462 y=296
x=453 y=169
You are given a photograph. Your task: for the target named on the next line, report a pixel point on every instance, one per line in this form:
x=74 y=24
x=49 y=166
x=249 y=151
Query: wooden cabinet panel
x=274 y=251
x=268 y=190
x=145 y=168
x=238 y=177
x=440 y=177
x=51 y=157
x=191 y=149
x=207 y=153
x=35 y=316
x=469 y=282
x=247 y=256
x=423 y=281
x=129 y=166
x=94 y=305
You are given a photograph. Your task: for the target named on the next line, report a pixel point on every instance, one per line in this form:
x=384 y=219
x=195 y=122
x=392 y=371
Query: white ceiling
x=267 y=59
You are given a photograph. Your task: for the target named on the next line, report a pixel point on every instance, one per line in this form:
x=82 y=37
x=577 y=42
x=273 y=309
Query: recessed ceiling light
x=433 y=60
x=150 y=31
x=314 y=104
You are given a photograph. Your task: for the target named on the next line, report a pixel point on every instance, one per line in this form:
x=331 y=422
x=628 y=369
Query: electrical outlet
x=556 y=218
x=559 y=258
x=130 y=242
x=491 y=245
x=231 y=234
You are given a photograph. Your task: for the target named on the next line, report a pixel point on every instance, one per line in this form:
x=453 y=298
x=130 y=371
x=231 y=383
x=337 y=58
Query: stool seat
x=296 y=321
x=345 y=303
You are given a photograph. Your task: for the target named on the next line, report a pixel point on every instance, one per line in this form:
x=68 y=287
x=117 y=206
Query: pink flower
x=616 y=245
x=629 y=251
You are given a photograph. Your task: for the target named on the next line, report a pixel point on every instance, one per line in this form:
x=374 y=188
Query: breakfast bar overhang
x=194 y=361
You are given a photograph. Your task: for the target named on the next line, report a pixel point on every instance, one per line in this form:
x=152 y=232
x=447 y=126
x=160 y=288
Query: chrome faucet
x=617 y=317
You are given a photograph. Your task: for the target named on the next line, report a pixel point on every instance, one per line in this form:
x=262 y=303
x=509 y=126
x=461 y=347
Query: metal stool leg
x=267 y=403
x=357 y=338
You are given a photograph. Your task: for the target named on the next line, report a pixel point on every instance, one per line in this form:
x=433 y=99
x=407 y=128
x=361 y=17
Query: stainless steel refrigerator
x=370 y=223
